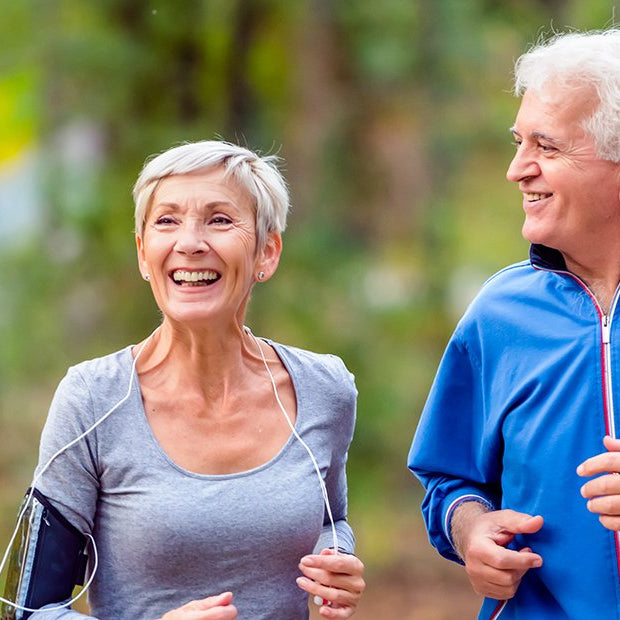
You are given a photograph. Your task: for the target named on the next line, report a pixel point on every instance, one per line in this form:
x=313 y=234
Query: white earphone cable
x=93 y=572
x=301 y=441
x=38 y=475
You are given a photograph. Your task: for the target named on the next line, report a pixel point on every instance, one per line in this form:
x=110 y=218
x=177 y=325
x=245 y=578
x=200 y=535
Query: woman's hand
x=218 y=607
x=336 y=578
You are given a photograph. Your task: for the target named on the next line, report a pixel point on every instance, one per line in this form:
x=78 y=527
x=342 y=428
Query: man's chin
x=535 y=235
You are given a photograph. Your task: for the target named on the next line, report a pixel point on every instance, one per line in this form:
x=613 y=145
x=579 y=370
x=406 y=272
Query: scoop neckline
x=137 y=396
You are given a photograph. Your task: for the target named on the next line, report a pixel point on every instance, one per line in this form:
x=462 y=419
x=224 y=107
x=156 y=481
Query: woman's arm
x=336 y=579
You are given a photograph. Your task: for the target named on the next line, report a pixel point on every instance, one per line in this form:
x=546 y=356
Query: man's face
x=570 y=196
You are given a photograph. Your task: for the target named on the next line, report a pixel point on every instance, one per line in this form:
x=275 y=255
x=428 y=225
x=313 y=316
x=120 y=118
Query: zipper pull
x=606 y=330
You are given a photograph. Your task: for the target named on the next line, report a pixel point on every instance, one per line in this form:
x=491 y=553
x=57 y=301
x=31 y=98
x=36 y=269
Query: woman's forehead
x=200 y=188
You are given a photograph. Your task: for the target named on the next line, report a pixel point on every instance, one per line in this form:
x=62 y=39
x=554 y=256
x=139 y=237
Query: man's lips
x=532 y=197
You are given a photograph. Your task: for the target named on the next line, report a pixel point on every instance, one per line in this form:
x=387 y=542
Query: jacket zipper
x=605 y=319
x=609 y=398
x=608 y=401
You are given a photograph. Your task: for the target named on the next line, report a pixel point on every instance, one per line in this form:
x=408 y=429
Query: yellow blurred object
x=18 y=114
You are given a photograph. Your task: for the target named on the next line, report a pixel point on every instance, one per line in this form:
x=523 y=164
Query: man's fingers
x=604 y=462
x=495 y=582
x=508 y=560
x=603 y=485
x=600 y=464
x=530 y=525
x=512 y=522
x=612 y=444
x=610 y=522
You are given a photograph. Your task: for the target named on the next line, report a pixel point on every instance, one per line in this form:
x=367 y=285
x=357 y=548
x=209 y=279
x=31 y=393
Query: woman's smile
x=184 y=278
x=199 y=245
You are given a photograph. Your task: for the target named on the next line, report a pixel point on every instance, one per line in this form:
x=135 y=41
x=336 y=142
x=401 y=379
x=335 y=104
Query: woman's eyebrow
x=175 y=206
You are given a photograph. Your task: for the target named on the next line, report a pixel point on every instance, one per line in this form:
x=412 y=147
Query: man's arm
x=480 y=537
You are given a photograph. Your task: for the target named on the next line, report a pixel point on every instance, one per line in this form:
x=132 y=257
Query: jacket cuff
x=452 y=503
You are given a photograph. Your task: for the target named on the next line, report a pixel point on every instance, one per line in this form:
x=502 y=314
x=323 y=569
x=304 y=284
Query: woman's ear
x=269 y=256
x=142 y=266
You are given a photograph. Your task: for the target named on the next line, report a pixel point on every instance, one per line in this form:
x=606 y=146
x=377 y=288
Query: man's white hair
x=574 y=61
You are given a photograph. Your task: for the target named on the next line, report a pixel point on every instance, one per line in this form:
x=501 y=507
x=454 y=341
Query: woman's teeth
x=194 y=278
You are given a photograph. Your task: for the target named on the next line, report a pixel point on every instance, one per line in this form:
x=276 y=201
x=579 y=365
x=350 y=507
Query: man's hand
x=480 y=538
x=603 y=493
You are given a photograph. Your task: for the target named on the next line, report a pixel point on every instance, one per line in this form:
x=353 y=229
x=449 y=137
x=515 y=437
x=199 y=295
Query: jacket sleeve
x=456 y=453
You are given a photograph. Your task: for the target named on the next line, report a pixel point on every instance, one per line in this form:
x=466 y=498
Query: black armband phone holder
x=47 y=560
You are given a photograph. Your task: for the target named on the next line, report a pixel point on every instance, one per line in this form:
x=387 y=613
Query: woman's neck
x=211 y=360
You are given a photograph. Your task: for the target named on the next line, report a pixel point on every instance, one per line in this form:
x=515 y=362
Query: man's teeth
x=194 y=276
x=534 y=197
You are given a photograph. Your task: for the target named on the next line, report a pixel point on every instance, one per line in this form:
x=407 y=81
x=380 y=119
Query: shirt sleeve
x=336 y=479
x=455 y=452
x=51 y=612
x=67 y=471
x=68 y=477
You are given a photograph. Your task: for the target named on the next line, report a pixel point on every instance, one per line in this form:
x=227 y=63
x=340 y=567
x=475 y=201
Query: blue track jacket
x=524 y=393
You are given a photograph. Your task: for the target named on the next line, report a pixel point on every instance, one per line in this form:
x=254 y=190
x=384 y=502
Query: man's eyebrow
x=537 y=135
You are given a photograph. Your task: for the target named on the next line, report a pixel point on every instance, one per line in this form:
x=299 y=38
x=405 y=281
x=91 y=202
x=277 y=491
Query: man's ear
x=269 y=256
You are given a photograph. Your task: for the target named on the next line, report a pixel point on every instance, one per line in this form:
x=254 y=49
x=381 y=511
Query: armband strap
x=47 y=561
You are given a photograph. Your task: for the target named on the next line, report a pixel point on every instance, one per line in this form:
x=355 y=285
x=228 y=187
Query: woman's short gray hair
x=577 y=60
x=259 y=176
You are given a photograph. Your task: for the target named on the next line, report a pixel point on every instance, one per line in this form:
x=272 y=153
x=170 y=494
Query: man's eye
x=545 y=148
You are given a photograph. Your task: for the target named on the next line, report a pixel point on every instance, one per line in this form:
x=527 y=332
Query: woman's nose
x=191 y=240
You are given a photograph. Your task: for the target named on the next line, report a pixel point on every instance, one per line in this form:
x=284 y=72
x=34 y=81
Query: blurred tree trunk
x=242 y=104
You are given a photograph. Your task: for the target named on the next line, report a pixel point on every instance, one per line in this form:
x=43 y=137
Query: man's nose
x=522 y=166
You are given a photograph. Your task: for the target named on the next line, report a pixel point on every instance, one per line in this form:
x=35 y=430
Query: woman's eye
x=220 y=219
x=163 y=220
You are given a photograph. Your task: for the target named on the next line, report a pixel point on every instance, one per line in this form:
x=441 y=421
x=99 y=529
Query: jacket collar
x=547 y=258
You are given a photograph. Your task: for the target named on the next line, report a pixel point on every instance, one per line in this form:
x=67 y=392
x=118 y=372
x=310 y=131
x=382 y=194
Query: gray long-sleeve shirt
x=165 y=535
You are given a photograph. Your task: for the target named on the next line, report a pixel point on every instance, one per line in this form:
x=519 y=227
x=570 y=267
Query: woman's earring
x=147 y=277
x=260 y=275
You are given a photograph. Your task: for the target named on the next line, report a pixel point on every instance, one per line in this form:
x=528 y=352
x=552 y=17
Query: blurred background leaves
x=391 y=119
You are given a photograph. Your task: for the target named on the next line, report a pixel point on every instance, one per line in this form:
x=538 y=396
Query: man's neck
x=602 y=281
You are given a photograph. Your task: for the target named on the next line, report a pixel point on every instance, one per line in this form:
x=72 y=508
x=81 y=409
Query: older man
x=522 y=407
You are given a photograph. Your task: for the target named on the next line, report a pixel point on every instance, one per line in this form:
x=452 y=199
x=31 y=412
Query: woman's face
x=199 y=248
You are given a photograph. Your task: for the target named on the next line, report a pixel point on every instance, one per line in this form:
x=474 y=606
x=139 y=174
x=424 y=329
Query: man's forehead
x=553 y=114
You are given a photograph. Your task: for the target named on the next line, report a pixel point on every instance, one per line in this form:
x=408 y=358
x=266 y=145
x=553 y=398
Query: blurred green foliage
x=392 y=121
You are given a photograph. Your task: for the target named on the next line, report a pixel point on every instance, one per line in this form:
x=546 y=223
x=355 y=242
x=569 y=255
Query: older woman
x=210 y=465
